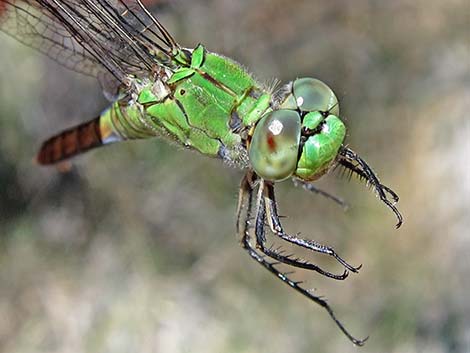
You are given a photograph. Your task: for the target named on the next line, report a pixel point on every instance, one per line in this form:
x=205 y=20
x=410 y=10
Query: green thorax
x=207 y=104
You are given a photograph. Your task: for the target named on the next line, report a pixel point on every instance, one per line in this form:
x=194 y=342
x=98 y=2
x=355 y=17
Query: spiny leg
x=247 y=186
x=356 y=169
x=246 y=192
x=276 y=227
x=312 y=188
x=351 y=161
x=260 y=224
x=244 y=195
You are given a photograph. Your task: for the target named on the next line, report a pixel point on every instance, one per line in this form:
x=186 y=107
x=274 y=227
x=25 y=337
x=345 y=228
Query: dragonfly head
x=301 y=138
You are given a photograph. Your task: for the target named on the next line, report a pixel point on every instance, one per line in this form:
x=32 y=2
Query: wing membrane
x=94 y=37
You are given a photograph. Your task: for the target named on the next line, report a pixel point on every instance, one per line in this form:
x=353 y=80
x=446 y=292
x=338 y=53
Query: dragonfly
x=205 y=102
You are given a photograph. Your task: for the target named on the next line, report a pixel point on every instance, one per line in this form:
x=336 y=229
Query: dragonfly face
x=302 y=138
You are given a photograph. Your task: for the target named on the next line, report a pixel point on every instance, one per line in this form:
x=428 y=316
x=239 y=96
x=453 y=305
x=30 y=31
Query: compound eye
x=313 y=95
x=274 y=148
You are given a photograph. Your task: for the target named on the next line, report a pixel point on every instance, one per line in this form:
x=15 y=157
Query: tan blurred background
x=134 y=250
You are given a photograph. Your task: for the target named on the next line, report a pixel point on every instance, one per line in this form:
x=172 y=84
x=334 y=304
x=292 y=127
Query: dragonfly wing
x=42 y=32
x=109 y=39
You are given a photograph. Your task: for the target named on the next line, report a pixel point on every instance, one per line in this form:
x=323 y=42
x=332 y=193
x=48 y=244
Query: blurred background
x=134 y=249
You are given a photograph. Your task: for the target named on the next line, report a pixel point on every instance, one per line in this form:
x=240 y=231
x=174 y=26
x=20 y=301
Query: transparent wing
x=94 y=37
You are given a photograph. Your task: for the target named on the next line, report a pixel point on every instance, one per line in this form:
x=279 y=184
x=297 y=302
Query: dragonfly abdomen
x=115 y=124
x=71 y=142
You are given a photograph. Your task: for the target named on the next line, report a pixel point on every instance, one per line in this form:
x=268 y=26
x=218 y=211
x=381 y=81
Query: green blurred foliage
x=134 y=249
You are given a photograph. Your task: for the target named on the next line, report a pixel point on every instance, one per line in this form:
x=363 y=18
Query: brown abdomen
x=70 y=142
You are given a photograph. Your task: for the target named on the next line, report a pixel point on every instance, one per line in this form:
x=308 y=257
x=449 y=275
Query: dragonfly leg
x=276 y=227
x=312 y=188
x=244 y=195
x=245 y=216
x=351 y=161
x=276 y=254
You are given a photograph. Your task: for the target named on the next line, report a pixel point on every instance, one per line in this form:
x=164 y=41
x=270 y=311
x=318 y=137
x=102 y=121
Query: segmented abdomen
x=70 y=142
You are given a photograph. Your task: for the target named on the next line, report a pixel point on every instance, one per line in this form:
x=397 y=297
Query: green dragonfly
x=203 y=101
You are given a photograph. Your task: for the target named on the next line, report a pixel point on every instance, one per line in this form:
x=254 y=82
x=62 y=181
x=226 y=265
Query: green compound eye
x=313 y=95
x=274 y=147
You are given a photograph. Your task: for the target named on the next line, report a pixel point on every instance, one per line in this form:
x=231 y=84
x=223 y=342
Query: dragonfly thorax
x=302 y=137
